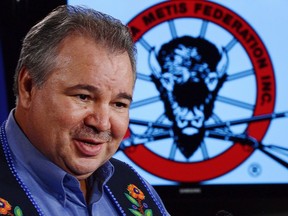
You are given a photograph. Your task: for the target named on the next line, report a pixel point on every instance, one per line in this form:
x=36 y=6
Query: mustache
x=84 y=132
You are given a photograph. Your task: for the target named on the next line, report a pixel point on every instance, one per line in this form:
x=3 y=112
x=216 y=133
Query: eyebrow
x=82 y=86
x=94 y=89
x=125 y=96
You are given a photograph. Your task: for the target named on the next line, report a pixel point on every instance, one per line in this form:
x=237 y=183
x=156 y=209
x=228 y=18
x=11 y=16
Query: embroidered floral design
x=136 y=197
x=135 y=192
x=6 y=209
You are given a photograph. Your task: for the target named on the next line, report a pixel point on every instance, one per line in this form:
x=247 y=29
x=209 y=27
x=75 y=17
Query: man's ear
x=25 y=86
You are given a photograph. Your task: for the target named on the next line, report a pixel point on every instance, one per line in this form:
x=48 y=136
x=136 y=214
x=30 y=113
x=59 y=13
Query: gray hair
x=39 y=48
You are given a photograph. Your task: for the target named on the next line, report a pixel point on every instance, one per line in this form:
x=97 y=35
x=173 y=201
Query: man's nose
x=99 y=118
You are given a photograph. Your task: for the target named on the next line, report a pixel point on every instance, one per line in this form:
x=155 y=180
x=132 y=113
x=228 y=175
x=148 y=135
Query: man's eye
x=83 y=97
x=121 y=105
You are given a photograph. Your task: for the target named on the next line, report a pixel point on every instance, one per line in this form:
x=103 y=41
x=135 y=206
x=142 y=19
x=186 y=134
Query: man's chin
x=83 y=168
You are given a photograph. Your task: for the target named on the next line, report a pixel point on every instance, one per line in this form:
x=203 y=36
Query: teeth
x=89 y=144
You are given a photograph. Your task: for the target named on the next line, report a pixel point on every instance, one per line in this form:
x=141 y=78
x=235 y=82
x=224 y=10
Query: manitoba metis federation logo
x=204 y=95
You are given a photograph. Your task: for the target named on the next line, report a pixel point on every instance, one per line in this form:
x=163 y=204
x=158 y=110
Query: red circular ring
x=235 y=155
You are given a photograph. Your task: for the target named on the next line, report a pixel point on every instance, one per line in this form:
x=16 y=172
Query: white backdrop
x=269 y=20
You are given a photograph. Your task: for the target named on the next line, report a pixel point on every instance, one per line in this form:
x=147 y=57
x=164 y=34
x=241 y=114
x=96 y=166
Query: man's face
x=80 y=115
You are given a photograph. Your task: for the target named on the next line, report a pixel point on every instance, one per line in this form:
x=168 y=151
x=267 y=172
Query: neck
x=83 y=186
x=85 y=189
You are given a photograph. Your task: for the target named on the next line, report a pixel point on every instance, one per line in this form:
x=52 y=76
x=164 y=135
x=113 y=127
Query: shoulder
x=131 y=175
x=121 y=168
x=117 y=162
x=124 y=175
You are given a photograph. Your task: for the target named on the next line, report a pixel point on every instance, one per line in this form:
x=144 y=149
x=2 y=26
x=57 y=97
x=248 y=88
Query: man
x=74 y=83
